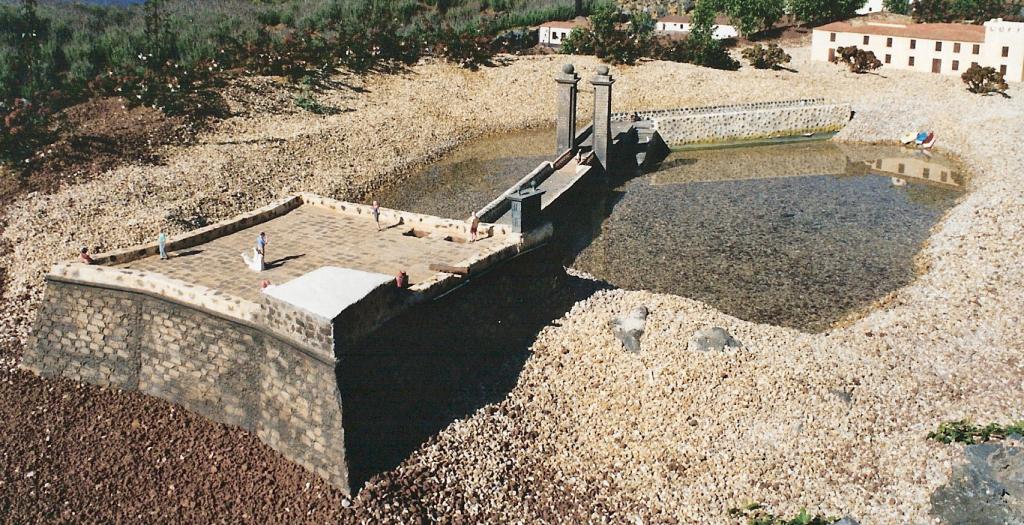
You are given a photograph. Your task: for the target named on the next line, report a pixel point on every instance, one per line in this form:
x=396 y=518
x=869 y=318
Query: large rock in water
x=986 y=490
x=628 y=329
x=715 y=338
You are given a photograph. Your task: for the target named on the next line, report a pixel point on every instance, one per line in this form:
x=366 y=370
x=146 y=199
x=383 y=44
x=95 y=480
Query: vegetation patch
x=963 y=431
x=755 y=514
x=761 y=57
x=984 y=80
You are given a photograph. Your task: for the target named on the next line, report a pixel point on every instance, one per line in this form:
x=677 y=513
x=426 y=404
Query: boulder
x=715 y=338
x=629 y=328
x=986 y=489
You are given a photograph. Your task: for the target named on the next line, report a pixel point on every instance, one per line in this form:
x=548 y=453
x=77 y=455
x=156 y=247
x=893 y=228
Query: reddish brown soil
x=84 y=454
x=93 y=137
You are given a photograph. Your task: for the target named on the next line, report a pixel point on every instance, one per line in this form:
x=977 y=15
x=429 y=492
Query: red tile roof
x=559 y=24
x=955 y=32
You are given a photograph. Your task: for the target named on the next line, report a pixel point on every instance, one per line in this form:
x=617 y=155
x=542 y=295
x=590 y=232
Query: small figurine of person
x=474 y=224
x=161 y=240
x=376 y=214
x=261 y=251
x=402 y=280
x=84 y=256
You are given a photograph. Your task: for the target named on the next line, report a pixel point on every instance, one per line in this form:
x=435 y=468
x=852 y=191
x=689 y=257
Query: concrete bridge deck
x=308 y=238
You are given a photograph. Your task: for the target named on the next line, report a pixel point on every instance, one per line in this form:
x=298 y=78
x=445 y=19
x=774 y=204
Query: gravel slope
x=834 y=422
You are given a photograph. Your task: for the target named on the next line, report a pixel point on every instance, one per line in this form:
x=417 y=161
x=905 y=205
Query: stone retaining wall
x=223 y=368
x=745 y=121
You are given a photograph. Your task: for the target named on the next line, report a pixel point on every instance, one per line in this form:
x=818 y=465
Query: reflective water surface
x=797 y=235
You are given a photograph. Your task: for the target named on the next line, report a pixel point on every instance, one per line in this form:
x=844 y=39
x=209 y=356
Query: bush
x=817 y=12
x=984 y=80
x=858 y=60
x=770 y=57
x=964 y=431
x=755 y=514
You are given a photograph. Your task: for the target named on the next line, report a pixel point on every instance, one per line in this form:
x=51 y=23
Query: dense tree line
x=170 y=54
x=977 y=11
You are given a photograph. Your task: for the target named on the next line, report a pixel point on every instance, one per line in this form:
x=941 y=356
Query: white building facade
x=946 y=49
x=681 y=24
x=553 y=33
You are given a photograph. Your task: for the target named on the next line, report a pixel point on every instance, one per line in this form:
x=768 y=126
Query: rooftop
x=686 y=19
x=953 y=32
x=566 y=24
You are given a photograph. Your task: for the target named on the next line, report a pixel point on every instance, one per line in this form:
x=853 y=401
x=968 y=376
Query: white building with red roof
x=681 y=24
x=554 y=32
x=945 y=49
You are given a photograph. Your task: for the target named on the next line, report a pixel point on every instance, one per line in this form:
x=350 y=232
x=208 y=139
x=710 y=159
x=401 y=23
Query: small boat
x=908 y=138
x=929 y=141
x=921 y=137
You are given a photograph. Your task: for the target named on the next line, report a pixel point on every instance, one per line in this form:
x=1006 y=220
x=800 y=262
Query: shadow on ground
x=443 y=360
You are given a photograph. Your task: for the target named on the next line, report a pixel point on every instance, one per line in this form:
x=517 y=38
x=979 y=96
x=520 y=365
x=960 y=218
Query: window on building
x=831 y=55
x=888 y=42
x=943 y=176
x=938 y=46
x=977 y=49
x=925 y=172
x=973 y=64
x=888 y=59
x=911 y=61
x=913 y=44
x=868 y=39
x=956 y=65
x=832 y=37
x=956 y=47
x=1006 y=51
x=901 y=168
x=878 y=164
x=1002 y=69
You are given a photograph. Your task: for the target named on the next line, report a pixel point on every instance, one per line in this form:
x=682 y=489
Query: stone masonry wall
x=745 y=121
x=226 y=370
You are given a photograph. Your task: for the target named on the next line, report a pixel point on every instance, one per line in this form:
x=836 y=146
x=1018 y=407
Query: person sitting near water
x=84 y=257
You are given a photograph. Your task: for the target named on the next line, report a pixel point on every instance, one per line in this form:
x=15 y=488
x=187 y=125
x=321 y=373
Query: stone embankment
x=835 y=422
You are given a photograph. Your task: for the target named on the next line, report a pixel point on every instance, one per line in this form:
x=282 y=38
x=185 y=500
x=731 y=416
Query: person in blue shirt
x=261 y=250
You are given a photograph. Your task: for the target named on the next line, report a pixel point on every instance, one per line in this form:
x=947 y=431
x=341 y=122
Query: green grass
x=963 y=431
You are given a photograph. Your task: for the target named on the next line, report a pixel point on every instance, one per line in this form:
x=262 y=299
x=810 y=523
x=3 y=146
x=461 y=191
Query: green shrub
x=963 y=431
x=755 y=514
x=858 y=60
x=770 y=57
x=984 y=80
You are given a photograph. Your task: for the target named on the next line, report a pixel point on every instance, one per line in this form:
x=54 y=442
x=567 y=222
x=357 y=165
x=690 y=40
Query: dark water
x=797 y=235
x=471 y=176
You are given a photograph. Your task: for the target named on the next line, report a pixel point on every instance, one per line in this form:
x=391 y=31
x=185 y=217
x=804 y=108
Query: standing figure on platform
x=161 y=241
x=474 y=224
x=376 y=214
x=255 y=262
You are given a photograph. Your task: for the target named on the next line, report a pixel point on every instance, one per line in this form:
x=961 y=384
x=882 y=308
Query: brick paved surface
x=304 y=240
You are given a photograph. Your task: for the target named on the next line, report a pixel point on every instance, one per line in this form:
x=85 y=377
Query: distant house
x=681 y=24
x=946 y=49
x=554 y=32
x=874 y=6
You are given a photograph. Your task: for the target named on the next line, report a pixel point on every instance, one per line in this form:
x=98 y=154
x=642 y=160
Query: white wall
x=924 y=52
x=721 y=32
x=552 y=36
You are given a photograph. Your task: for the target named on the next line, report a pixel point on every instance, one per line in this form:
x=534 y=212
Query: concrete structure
x=744 y=122
x=948 y=49
x=198 y=330
x=682 y=23
x=602 y=83
x=554 y=33
x=565 y=127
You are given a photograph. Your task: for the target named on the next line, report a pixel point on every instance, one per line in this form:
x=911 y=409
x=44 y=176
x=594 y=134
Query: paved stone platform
x=308 y=238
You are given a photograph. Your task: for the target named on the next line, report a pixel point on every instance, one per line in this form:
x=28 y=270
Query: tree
x=984 y=80
x=858 y=60
x=817 y=12
x=977 y=11
x=770 y=57
x=704 y=48
x=754 y=16
x=900 y=7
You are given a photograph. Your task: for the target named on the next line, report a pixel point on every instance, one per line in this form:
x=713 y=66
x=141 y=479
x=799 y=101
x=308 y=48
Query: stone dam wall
x=742 y=122
x=230 y=371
